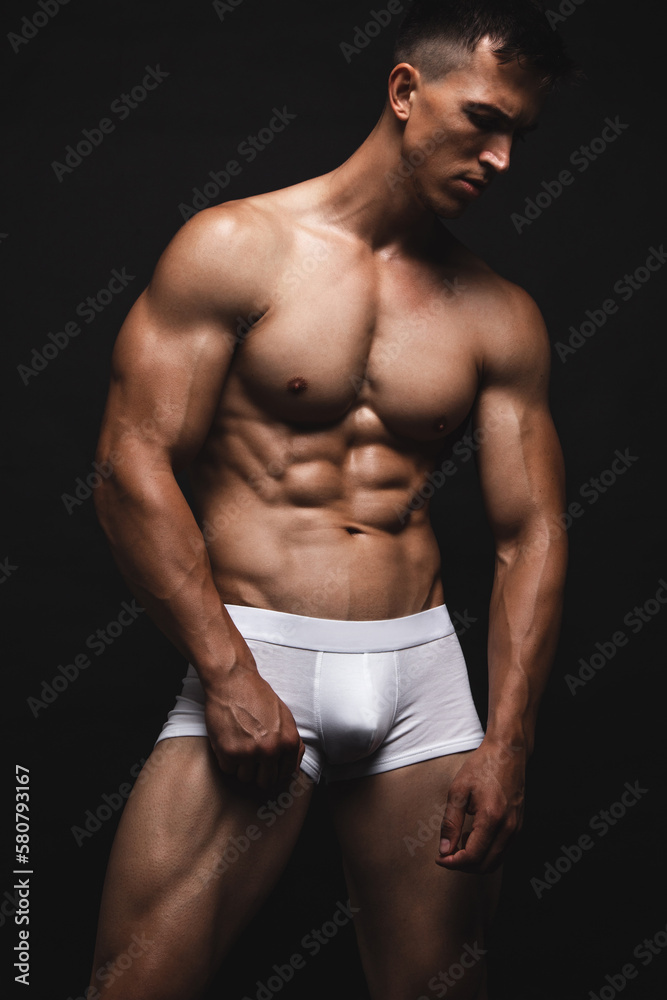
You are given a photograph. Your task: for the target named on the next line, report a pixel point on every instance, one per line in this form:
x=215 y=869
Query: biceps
x=166 y=380
x=520 y=464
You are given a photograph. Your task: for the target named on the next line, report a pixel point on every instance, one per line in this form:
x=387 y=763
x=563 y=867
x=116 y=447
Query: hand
x=252 y=732
x=490 y=787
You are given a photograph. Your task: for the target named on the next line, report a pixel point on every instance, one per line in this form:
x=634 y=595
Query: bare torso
x=333 y=412
x=371 y=335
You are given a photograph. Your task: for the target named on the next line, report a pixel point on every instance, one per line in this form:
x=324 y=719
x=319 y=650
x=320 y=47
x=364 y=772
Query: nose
x=497 y=154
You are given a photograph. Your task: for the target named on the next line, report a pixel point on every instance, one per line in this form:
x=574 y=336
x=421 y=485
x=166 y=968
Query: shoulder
x=222 y=254
x=511 y=333
x=240 y=226
x=517 y=347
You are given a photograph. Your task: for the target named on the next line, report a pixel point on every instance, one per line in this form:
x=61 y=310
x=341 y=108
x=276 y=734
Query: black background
x=60 y=241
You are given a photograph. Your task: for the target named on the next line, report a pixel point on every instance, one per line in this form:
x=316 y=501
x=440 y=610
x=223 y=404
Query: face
x=459 y=130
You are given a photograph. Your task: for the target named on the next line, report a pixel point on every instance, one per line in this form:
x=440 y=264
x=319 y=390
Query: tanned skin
x=377 y=334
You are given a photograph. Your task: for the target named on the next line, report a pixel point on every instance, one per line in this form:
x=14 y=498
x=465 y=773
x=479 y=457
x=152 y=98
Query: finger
x=482 y=844
x=460 y=862
x=267 y=773
x=453 y=820
x=289 y=764
x=226 y=765
x=291 y=759
x=246 y=770
x=502 y=841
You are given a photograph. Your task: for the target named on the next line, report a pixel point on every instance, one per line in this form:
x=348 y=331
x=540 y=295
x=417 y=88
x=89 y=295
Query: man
x=304 y=585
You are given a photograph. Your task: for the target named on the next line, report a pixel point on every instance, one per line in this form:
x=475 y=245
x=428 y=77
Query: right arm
x=168 y=367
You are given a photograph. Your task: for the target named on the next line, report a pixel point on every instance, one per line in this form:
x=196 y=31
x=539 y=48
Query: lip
x=473 y=187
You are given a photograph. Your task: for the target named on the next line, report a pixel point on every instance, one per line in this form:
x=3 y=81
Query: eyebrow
x=501 y=115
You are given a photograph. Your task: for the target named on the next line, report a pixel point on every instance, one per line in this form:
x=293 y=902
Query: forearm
x=159 y=549
x=524 y=623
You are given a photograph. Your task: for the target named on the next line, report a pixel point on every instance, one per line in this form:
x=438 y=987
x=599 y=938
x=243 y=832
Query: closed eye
x=486 y=123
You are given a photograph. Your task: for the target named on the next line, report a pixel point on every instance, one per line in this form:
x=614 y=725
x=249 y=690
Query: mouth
x=473 y=186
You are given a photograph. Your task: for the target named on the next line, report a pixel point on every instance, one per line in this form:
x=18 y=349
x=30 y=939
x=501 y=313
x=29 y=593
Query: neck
x=368 y=196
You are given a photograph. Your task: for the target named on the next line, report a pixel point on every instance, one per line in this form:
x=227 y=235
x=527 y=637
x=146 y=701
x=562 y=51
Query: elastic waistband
x=341 y=636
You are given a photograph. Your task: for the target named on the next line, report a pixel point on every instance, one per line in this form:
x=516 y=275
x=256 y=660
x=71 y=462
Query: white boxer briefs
x=366 y=696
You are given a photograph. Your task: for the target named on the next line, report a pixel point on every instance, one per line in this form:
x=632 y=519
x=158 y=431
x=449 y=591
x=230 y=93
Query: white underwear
x=366 y=696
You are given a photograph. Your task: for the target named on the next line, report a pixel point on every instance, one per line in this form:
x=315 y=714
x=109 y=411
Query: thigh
x=195 y=854
x=421 y=929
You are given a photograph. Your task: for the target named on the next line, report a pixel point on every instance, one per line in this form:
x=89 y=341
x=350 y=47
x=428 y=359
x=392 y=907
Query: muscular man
x=304 y=354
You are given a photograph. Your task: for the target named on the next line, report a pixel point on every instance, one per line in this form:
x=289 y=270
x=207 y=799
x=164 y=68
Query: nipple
x=440 y=425
x=297 y=384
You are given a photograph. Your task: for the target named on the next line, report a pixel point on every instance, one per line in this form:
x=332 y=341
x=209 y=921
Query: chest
x=394 y=345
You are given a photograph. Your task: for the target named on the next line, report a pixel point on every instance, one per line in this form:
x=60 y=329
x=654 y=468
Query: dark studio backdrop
x=572 y=919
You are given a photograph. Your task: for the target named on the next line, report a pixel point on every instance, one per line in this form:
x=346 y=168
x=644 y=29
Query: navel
x=297 y=384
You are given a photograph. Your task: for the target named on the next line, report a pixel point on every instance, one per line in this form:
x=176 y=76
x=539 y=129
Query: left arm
x=521 y=473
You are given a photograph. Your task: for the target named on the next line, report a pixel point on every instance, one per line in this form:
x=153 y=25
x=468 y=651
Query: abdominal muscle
x=316 y=524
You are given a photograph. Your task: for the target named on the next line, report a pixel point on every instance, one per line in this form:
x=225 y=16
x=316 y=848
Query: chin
x=445 y=208
x=449 y=211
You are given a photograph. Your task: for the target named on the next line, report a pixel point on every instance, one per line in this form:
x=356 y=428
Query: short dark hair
x=437 y=35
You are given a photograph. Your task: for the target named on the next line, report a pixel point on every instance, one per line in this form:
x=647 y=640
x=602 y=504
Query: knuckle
x=456 y=799
x=291 y=742
x=268 y=750
x=225 y=758
x=493 y=816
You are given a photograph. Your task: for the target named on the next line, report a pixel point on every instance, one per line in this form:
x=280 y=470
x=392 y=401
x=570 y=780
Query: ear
x=404 y=80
